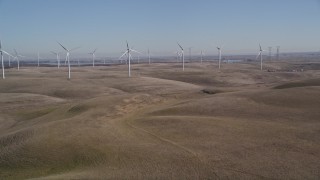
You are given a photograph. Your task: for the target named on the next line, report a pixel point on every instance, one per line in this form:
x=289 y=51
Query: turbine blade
x=180 y=46
x=0 y=44
x=123 y=54
x=6 y=53
x=94 y=50
x=54 y=53
x=63 y=46
x=74 y=49
x=260 y=47
x=258 y=55
x=135 y=51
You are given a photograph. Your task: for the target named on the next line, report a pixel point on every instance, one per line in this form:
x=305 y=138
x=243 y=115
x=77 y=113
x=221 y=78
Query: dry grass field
x=239 y=123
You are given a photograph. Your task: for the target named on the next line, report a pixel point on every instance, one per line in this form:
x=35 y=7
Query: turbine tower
x=182 y=56
x=128 y=53
x=3 y=52
x=93 y=56
x=58 y=58
x=219 y=51
x=16 y=56
x=149 y=55
x=68 y=58
x=38 y=59
x=260 y=54
x=278 y=53
x=202 y=53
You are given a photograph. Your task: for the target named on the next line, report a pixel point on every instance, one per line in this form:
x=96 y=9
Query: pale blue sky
x=32 y=25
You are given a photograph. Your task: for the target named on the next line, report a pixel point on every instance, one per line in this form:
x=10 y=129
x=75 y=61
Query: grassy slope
x=104 y=125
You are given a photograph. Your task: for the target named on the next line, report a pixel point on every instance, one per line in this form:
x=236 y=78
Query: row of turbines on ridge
x=127 y=53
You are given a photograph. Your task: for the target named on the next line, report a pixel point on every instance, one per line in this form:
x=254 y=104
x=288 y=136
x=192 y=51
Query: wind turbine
x=68 y=58
x=219 y=50
x=58 y=58
x=3 y=52
x=182 y=55
x=149 y=55
x=16 y=56
x=38 y=59
x=260 y=54
x=202 y=53
x=93 y=56
x=128 y=53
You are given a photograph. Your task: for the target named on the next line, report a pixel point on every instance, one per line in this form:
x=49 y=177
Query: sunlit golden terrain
x=162 y=123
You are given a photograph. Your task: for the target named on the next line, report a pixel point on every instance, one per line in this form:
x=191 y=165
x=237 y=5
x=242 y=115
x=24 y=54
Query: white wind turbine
x=68 y=58
x=93 y=56
x=38 y=59
x=202 y=54
x=58 y=58
x=182 y=56
x=260 y=54
x=219 y=50
x=149 y=56
x=3 y=52
x=128 y=53
x=16 y=56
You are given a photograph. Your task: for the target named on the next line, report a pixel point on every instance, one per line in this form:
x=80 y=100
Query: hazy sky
x=36 y=25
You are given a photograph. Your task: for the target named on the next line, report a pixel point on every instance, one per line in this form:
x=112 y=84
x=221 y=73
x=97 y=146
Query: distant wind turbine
x=149 y=56
x=219 y=50
x=58 y=58
x=16 y=56
x=38 y=59
x=260 y=54
x=3 y=52
x=202 y=54
x=182 y=55
x=128 y=53
x=93 y=56
x=68 y=58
